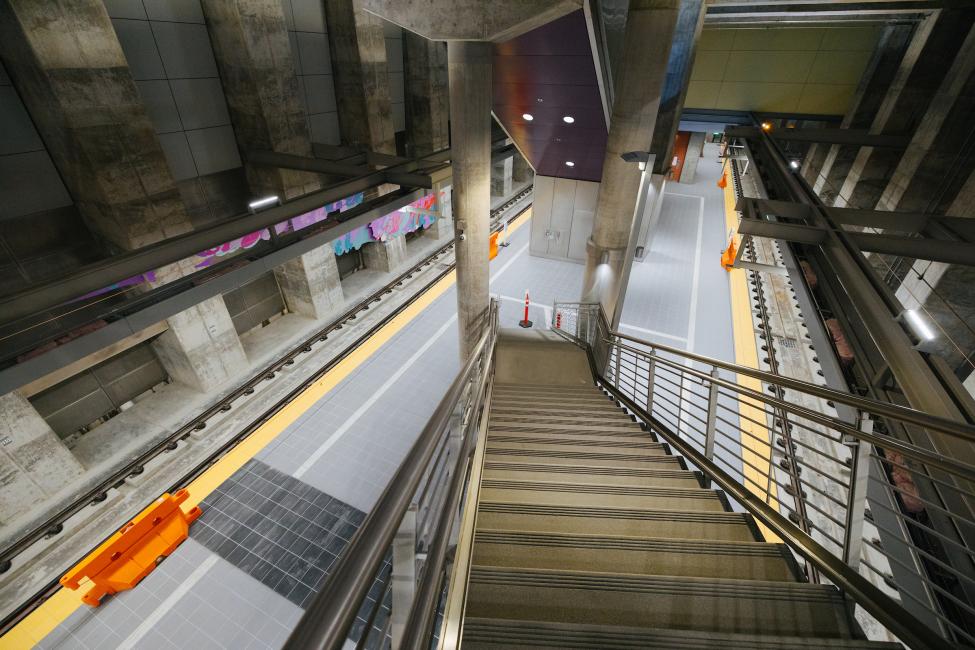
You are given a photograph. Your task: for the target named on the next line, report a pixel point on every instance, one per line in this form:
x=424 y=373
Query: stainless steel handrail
x=326 y=622
x=881 y=606
x=919 y=418
x=911 y=537
x=922 y=455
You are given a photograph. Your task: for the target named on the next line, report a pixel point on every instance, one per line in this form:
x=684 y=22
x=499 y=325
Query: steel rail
x=134 y=467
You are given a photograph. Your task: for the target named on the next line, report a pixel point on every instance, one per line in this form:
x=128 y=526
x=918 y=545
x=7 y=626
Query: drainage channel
x=55 y=524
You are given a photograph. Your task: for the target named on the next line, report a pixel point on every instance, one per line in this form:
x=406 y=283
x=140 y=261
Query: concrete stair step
x=607 y=410
x=546 y=389
x=560 y=401
x=596 y=439
x=585 y=474
x=554 y=420
x=632 y=522
x=678 y=603
x=633 y=555
x=543 y=454
x=594 y=428
x=600 y=496
x=562 y=445
x=495 y=634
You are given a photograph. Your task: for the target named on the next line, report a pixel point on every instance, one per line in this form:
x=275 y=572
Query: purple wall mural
x=420 y=214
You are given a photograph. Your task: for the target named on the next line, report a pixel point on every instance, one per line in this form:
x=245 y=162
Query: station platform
x=280 y=508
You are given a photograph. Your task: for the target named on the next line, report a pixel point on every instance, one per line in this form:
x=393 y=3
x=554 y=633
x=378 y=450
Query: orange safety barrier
x=133 y=552
x=728 y=255
x=493 y=246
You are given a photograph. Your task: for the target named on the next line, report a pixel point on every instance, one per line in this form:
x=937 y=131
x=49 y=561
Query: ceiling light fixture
x=569 y=163
x=794 y=164
x=260 y=203
x=568 y=119
x=528 y=117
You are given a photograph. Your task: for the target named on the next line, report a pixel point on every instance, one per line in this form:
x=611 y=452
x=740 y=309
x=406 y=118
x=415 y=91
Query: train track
x=54 y=525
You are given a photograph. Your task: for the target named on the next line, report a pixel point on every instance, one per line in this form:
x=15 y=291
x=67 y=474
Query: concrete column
x=936 y=42
x=501 y=177
x=358 y=47
x=201 y=348
x=649 y=29
x=253 y=53
x=690 y=21
x=66 y=62
x=68 y=67
x=310 y=283
x=469 y=67
x=522 y=171
x=695 y=150
x=874 y=84
x=427 y=102
x=385 y=256
x=34 y=462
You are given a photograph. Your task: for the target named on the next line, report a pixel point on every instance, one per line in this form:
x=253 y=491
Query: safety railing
x=886 y=518
x=390 y=578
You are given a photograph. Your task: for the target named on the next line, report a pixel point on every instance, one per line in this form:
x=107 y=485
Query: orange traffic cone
x=723 y=181
x=728 y=255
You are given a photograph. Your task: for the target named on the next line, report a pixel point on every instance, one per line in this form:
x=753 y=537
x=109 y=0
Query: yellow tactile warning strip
x=757 y=455
x=39 y=623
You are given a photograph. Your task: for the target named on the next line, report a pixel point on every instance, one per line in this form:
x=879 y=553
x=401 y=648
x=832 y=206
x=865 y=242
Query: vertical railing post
x=404 y=575
x=856 y=502
x=712 y=420
x=616 y=370
x=651 y=372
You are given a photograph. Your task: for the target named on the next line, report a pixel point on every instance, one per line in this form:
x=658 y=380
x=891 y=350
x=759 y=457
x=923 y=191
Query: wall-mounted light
x=766 y=126
x=568 y=119
x=262 y=203
x=604 y=257
x=642 y=165
x=569 y=163
x=528 y=117
x=794 y=164
x=919 y=325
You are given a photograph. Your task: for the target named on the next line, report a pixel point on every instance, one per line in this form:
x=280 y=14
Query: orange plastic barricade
x=728 y=255
x=493 y=246
x=133 y=552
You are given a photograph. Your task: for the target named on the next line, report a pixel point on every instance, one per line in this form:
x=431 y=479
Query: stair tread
x=574 y=437
x=724 y=605
x=494 y=634
x=588 y=474
x=546 y=453
x=592 y=495
x=632 y=555
x=579 y=446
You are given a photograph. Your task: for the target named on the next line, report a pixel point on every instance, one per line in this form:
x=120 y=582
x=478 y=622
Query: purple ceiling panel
x=548 y=74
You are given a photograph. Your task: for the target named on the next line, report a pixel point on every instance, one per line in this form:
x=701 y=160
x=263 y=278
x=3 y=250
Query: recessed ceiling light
x=794 y=164
x=539 y=100
x=568 y=119
x=528 y=117
x=569 y=163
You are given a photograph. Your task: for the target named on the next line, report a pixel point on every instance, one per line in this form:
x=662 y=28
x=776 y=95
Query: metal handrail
x=920 y=418
x=921 y=455
x=932 y=513
x=327 y=620
x=881 y=606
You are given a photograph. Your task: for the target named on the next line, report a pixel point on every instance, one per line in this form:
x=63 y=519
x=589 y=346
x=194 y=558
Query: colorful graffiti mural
x=211 y=255
x=420 y=214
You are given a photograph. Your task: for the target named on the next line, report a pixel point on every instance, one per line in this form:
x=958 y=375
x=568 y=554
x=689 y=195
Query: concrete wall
x=313 y=65
x=42 y=235
x=395 y=73
x=562 y=217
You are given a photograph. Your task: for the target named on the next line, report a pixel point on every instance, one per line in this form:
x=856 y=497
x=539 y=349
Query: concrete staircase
x=590 y=534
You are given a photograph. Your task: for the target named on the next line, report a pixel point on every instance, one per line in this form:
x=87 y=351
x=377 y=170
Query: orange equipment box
x=133 y=552
x=493 y=246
